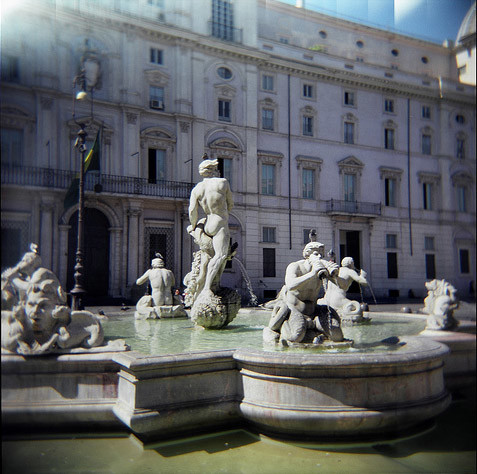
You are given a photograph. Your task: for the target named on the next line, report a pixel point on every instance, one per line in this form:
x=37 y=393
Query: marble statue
x=212 y=306
x=35 y=317
x=296 y=316
x=162 y=303
x=15 y=280
x=440 y=303
x=335 y=293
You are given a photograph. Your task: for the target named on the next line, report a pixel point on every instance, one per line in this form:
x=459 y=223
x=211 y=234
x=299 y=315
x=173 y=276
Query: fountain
x=335 y=390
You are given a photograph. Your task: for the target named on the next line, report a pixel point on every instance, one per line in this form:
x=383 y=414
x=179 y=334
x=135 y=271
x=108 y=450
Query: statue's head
x=30 y=261
x=209 y=168
x=157 y=262
x=313 y=247
x=347 y=262
x=45 y=303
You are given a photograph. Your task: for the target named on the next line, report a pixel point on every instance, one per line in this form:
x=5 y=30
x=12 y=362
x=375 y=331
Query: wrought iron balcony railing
x=353 y=207
x=61 y=179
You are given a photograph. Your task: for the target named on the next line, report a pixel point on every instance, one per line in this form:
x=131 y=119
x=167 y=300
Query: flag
x=91 y=163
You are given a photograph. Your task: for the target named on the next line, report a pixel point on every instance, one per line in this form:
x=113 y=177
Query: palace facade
x=365 y=135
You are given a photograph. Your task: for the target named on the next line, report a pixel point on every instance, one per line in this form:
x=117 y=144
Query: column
x=133 y=243
x=63 y=260
x=46 y=231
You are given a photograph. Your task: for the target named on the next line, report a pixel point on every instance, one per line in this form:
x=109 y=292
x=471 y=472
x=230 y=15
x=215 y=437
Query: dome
x=467 y=28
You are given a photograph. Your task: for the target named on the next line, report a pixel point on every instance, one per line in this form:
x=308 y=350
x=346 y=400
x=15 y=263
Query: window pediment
x=390 y=173
x=432 y=178
x=225 y=91
x=156 y=136
x=461 y=178
x=304 y=161
x=12 y=116
x=157 y=78
x=270 y=157
x=351 y=164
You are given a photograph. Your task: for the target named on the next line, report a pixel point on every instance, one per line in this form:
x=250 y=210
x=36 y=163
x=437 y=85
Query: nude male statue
x=296 y=315
x=161 y=279
x=214 y=196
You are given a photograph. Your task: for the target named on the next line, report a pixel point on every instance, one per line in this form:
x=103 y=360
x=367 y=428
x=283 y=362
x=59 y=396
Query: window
x=460 y=148
x=307 y=91
x=283 y=40
x=269 y=263
x=323 y=34
x=389 y=105
x=349 y=187
x=461 y=199
x=464 y=261
x=157 y=165
x=156 y=97
x=389 y=139
x=391 y=241
x=429 y=243
x=424 y=59
x=224 y=110
x=426 y=144
x=426 y=112
x=10 y=69
x=268 y=234
x=306 y=236
x=307 y=126
x=359 y=44
x=308 y=177
x=268 y=179
x=222 y=20
x=395 y=52
x=460 y=119
x=224 y=72
x=267 y=83
x=430 y=266
x=427 y=196
x=156 y=56
x=349 y=98
x=12 y=146
x=390 y=192
x=349 y=132
x=225 y=169
x=392 y=265
x=267 y=119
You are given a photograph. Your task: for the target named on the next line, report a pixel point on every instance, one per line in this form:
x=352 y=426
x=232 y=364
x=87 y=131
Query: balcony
x=356 y=208
x=61 y=179
x=225 y=32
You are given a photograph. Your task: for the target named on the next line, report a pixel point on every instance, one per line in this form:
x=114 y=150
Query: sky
x=432 y=20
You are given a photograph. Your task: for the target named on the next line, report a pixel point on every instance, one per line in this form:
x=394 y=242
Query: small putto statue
x=212 y=306
x=36 y=319
x=162 y=303
x=440 y=304
x=296 y=316
x=335 y=294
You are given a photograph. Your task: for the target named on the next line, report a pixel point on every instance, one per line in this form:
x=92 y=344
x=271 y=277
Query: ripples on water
x=174 y=336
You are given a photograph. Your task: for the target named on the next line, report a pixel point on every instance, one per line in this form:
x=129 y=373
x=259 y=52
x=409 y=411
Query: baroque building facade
x=363 y=134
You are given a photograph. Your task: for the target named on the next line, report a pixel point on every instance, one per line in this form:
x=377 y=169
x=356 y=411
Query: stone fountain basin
x=308 y=395
x=343 y=394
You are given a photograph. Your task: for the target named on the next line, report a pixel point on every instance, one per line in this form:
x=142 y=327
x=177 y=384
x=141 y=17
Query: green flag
x=91 y=163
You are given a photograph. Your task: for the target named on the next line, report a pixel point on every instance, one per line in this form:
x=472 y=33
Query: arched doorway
x=96 y=254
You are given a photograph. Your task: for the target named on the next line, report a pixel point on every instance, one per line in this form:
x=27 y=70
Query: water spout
x=253 y=297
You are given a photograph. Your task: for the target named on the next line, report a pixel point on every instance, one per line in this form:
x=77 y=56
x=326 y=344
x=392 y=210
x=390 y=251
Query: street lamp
x=85 y=82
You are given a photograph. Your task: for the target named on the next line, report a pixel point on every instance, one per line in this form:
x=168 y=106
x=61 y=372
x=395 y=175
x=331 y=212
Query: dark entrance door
x=96 y=254
x=351 y=248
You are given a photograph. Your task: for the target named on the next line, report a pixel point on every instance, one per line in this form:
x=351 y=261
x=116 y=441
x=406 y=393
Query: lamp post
x=78 y=292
